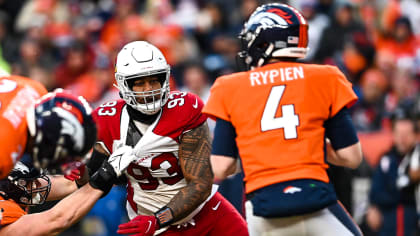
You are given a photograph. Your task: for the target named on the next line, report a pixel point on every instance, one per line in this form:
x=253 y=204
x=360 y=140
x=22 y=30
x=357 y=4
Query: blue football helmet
x=273 y=31
x=61 y=128
x=25 y=185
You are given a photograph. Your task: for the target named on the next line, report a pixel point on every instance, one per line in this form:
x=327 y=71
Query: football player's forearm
x=71 y=209
x=350 y=157
x=190 y=197
x=67 y=212
x=195 y=162
x=222 y=166
x=60 y=187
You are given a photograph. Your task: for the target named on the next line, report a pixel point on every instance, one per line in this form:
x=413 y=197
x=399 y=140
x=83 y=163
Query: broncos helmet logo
x=273 y=31
x=62 y=127
x=271 y=17
x=268 y=19
x=282 y=14
x=71 y=126
x=70 y=108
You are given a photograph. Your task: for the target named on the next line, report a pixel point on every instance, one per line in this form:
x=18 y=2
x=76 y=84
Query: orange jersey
x=16 y=95
x=10 y=211
x=278 y=112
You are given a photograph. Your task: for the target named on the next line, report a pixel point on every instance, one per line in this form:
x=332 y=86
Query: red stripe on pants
x=400 y=220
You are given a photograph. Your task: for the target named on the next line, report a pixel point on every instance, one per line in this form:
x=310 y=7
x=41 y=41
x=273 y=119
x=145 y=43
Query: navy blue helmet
x=25 y=185
x=61 y=127
x=273 y=30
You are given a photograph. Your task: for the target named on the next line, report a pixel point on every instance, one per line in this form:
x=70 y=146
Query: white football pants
x=330 y=221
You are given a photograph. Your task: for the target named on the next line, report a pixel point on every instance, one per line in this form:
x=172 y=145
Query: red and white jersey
x=156 y=176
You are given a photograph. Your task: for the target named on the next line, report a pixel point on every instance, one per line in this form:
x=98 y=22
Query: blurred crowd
x=72 y=44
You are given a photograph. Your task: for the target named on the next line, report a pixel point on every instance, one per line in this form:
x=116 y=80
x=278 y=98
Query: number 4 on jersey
x=288 y=121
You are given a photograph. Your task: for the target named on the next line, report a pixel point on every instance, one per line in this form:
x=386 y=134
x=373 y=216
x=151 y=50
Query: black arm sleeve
x=95 y=161
x=340 y=130
x=224 y=139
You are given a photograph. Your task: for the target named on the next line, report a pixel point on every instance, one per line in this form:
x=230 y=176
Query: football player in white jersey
x=170 y=187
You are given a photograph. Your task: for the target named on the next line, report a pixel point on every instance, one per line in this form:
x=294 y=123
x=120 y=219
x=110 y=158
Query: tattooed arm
x=194 y=158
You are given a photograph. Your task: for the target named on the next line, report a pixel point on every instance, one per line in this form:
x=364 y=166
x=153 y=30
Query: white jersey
x=156 y=177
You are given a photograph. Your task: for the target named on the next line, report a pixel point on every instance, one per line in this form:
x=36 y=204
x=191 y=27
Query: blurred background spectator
x=395 y=182
x=73 y=44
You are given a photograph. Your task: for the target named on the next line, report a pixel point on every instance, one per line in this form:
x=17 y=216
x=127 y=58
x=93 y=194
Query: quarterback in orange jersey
x=16 y=95
x=279 y=115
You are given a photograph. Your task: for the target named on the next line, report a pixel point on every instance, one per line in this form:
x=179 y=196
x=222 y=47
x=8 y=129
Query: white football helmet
x=138 y=59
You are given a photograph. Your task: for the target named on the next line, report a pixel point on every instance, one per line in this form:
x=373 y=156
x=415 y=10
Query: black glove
x=107 y=175
x=104 y=178
x=95 y=161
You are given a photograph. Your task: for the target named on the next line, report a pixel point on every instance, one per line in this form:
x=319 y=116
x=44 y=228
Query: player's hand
x=139 y=226
x=121 y=158
x=73 y=170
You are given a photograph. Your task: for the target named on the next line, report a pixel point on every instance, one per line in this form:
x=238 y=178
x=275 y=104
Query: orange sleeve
x=14 y=137
x=12 y=145
x=343 y=94
x=216 y=105
x=40 y=88
x=6 y=163
x=10 y=212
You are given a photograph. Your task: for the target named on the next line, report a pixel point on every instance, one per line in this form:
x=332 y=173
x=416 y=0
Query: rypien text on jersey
x=273 y=75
